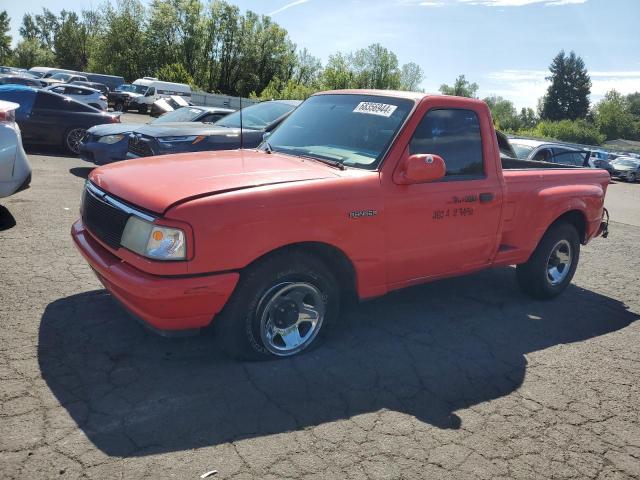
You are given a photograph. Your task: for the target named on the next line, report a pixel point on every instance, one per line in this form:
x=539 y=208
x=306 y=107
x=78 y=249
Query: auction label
x=382 y=109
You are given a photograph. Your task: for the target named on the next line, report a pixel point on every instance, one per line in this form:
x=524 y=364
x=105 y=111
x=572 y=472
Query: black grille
x=103 y=220
x=139 y=147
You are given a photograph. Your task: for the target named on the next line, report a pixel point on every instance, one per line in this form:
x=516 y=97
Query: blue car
x=109 y=143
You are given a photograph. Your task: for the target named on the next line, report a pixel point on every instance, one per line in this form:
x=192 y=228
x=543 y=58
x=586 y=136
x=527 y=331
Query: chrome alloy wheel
x=559 y=262
x=74 y=137
x=291 y=316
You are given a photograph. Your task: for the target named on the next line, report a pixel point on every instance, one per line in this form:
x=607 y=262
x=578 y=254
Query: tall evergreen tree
x=5 y=38
x=568 y=94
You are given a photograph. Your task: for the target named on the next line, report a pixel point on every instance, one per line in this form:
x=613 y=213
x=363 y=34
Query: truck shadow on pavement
x=426 y=351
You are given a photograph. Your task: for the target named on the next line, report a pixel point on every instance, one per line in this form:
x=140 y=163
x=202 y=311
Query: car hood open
x=158 y=183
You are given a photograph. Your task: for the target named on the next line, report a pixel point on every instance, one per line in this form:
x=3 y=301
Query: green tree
x=527 y=118
x=461 y=88
x=633 y=101
x=119 y=50
x=411 y=76
x=307 y=68
x=568 y=95
x=41 y=26
x=505 y=116
x=337 y=74
x=290 y=90
x=5 y=38
x=30 y=53
x=175 y=72
x=578 y=131
x=613 y=117
x=70 y=42
x=375 y=67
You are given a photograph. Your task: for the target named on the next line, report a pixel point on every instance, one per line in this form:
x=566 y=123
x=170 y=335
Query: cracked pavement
x=463 y=378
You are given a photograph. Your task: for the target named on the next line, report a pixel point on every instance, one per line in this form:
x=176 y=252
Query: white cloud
x=491 y=3
x=287 y=6
x=525 y=87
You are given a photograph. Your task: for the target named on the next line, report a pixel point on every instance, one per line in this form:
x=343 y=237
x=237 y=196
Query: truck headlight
x=154 y=241
x=111 y=139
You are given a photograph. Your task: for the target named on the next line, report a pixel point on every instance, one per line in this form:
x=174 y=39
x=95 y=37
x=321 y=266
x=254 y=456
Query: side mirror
x=419 y=168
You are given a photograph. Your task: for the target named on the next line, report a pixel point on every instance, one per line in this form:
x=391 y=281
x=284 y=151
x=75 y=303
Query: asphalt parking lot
x=463 y=378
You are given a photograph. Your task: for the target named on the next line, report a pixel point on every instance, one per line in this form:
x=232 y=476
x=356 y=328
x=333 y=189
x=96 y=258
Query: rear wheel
x=72 y=139
x=119 y=106
x=631 y=177
x=281 y=307
x=142 y=109
x=553 y=263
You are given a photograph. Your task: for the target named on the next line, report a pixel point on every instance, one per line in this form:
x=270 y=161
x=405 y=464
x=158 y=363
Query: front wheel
x=72 y=139
x=553 y=263
x=142 y=109
x=281 y=307
x=631 y=177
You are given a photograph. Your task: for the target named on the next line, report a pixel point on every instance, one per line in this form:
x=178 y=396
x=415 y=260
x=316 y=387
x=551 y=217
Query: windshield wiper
x=267 y=147
x=327 y=161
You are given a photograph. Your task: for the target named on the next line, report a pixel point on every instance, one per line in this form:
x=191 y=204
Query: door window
x=453 y=134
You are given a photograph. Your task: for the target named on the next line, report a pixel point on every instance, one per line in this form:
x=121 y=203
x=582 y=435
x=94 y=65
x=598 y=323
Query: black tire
x=72 y=138
x=632 y=178
x=142 y=109
x=534 y=277
x=239 y=325
x=120 y=106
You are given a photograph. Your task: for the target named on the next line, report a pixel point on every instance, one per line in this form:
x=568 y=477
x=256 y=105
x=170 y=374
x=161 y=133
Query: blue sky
x=503 y=45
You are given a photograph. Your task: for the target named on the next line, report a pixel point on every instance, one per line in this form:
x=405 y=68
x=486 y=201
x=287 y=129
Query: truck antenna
x=241 y=142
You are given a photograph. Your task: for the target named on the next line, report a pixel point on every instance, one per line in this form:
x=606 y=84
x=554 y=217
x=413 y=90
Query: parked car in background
x=111 y=81
x=47 y=118
x=257 y=120
x=109 y=143
x=542 y=151
x=15 y=79
x=627 y=168
x=15 y=171
x=58 y=78
x=157 y=89
x=101 y=87
x=89 y=96
x=164 y=105
x=120 y=98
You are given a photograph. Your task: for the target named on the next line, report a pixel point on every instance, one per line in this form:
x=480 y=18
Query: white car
x=86 y=95
x=15 y=171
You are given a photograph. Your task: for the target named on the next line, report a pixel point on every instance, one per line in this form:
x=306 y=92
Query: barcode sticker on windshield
x=382 y=109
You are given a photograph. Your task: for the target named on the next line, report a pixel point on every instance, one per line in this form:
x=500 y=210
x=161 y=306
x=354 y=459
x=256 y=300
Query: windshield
x=522 y=151
x=626 y=163
x=354 y=130
x=256 y=117
x=184 y=114
x=61 y=76
x=141 y=89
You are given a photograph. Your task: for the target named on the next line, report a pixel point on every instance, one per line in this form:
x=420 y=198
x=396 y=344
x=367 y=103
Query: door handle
x=485 y=197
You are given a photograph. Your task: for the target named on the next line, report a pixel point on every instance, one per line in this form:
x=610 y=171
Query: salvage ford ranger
x=357 y=192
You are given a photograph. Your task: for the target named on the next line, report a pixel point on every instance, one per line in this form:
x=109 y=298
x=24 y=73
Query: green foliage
x=119 y=50
x=175 y=72
x=613 y=116
x=578 y=131
x=5 y=38
x=527 y=118
x=411 y=76
x=568 y=94
x=70 y=42
x=461 y=88
x=30 y=53
x=375 y=67
x=290 y=90
x=505 y=116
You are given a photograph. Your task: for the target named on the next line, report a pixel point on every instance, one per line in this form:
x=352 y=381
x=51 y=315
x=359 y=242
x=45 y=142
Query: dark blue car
x=109 y=143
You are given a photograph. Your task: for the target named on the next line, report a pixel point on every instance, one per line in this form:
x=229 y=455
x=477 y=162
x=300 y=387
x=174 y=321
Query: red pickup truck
x=356 y=192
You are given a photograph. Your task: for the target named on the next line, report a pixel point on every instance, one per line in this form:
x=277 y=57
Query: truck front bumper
x=169 y=305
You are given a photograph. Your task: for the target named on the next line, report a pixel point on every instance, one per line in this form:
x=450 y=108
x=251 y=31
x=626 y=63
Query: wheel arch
x=334 y=259
x=574 y=217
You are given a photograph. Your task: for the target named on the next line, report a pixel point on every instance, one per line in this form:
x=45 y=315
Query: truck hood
x=158 y=183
